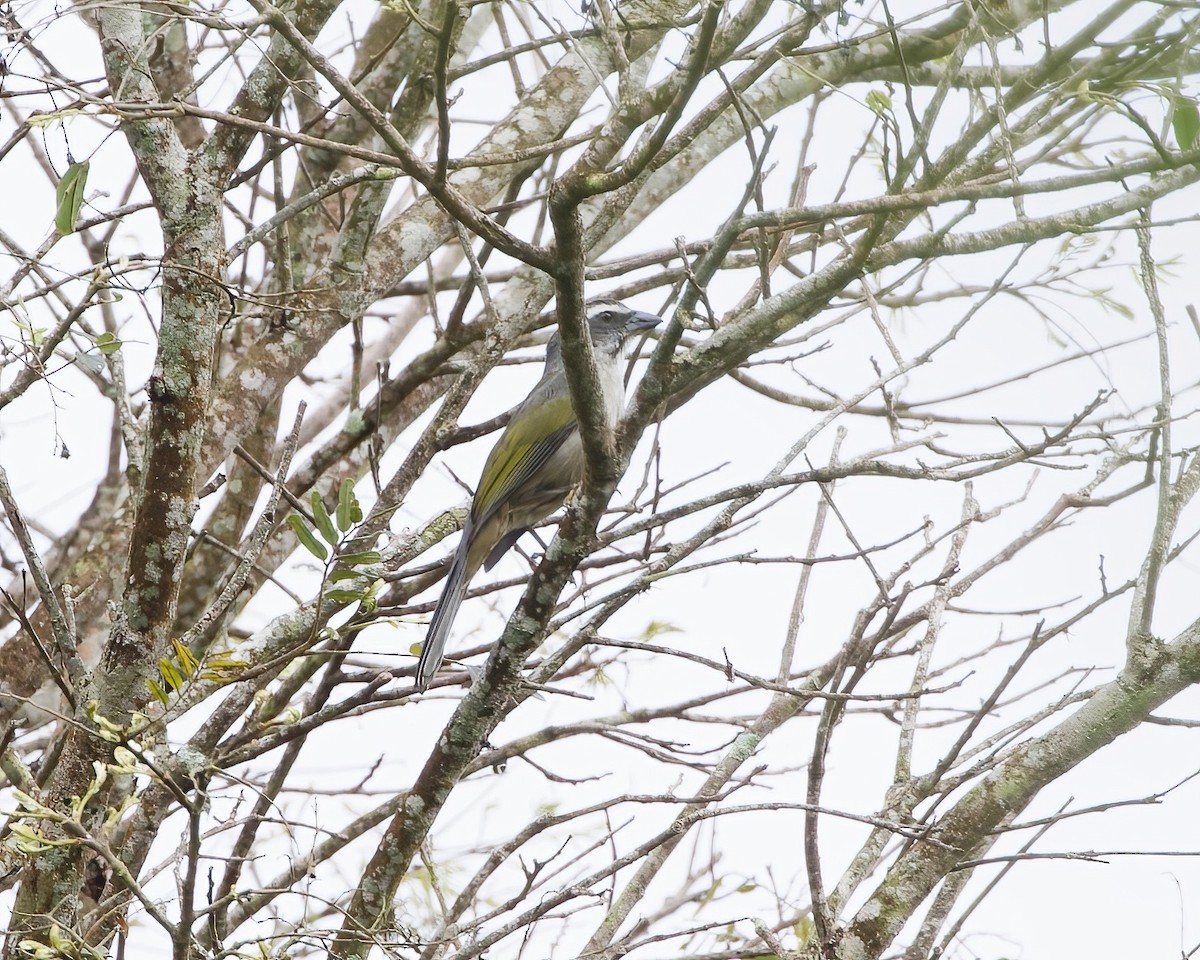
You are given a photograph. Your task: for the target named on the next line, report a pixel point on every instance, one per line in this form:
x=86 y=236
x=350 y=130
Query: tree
x=917 y=396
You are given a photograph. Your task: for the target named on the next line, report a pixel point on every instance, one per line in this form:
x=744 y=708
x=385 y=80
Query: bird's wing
x=514 y=460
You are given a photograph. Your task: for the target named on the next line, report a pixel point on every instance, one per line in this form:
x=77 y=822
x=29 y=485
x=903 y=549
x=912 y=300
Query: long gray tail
x=453 y=591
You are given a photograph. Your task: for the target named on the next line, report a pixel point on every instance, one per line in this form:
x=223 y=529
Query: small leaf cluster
x=326 y=538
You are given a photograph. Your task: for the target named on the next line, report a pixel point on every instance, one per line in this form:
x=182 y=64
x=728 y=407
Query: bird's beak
x=642 y=321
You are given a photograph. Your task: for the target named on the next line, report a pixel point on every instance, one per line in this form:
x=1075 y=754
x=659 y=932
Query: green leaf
x=345 y=507
x=344 y=596
x=224 y=662
x=361 y=559
x=68 y=197
x=1185 y=121
x=159 y=694
x=173 y=679
x=35 y=335
x=306 y=538
x=656 y=628
x=324 y=523
x=879 y=102
x=107 y=343
x=187 y=659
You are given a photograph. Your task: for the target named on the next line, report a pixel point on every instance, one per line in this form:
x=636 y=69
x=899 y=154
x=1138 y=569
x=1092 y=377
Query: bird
x=534 y=465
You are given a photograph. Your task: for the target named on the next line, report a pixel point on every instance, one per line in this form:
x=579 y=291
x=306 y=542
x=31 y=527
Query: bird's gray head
x=611 y=322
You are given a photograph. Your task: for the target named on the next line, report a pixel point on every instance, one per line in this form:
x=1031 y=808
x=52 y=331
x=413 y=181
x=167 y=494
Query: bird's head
x=611 y=322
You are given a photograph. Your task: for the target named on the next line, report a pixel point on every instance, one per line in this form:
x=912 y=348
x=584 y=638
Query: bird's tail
x=453 y=591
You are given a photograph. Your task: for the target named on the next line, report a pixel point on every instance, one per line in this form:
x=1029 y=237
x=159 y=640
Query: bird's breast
x=612 y=386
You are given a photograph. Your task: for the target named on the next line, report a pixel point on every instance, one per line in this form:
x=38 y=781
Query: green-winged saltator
x=534 y=465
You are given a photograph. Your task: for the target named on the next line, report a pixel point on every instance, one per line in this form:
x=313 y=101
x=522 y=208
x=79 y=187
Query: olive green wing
x=535 y=433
